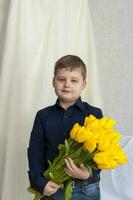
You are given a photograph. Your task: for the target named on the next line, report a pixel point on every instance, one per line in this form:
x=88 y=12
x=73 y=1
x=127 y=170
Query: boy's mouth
x=66 y=91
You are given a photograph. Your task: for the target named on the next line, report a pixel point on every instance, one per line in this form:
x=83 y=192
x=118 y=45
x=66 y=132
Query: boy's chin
x=68 y=100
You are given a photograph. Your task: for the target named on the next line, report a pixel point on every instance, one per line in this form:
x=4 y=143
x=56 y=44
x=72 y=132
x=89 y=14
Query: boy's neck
x=66 y=104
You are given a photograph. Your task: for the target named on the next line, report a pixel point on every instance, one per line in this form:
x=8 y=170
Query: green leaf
x=62 y=185
x=67 y=147
x=61 y=148
x=51 y=175
x=37 y=195
x=78 y=152
x=89 y=168
x=68 y=189
x=92 y=164
x=49 y=163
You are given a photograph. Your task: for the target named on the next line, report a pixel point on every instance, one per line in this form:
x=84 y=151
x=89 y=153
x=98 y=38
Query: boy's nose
x=67 y=83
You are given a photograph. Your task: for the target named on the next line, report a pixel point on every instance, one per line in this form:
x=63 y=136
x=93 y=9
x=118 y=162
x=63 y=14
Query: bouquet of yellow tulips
x=95 y=144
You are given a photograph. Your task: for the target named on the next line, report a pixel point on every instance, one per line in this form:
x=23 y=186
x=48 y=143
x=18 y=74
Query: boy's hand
x=76 y=172
x=50 y=188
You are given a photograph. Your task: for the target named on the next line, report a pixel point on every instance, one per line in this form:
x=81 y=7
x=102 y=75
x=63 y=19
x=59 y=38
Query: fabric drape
x=33 y=35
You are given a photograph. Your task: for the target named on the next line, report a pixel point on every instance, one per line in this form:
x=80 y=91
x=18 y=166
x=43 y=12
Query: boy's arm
x=36 y=158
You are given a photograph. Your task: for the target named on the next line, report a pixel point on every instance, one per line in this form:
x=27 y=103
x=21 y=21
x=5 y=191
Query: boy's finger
x=72 y=163
x=68 y=172
x=54 y=185
x=82 y=166
x=68 y=165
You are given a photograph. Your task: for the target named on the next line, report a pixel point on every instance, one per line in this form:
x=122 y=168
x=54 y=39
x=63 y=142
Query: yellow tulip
x=75 y=130
x=113 y=136
x=109 y=124
x=103 y=144
x=104 y=160
x=107 y=165
x=103 y=120
x=88 y=120
x=90 y=146
x=122 y=160
x=81 y=135
x=118 y=154
x=114 y=147
x=94 y=124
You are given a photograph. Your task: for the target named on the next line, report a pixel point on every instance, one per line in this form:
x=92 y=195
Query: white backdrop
x=33 y=35
x=113 y=29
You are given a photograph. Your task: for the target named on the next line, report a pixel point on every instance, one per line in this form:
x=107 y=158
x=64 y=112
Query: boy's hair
x=72 y=62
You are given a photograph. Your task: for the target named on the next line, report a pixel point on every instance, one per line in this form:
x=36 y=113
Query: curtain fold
x=34 y=34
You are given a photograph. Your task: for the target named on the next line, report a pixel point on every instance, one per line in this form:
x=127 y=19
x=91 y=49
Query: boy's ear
x=53 y=82
x=84 y=84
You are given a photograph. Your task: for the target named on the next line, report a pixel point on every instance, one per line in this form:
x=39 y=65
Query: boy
x=53 y=124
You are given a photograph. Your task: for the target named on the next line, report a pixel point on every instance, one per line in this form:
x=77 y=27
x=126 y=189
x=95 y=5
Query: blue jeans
x=82 y=191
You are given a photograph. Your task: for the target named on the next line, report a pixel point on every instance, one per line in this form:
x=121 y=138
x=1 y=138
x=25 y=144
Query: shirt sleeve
x=36 y=158
x=99 y=113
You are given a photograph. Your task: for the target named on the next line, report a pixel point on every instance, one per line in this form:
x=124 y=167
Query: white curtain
x=33 y=35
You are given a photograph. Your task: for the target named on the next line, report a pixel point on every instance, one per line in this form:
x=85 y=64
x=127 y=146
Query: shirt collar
x=78 y=104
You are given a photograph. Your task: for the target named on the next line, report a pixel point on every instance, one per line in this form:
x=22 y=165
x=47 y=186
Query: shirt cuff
x=37 y=181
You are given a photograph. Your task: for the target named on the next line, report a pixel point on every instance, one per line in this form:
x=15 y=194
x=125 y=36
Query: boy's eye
x=61 y=79
x=74 y=80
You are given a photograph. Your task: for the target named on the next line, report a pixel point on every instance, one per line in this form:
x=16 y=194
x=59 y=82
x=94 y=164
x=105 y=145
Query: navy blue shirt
x=51 y=127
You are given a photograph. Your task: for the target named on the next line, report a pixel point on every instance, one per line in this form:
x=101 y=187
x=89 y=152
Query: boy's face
x=68 y=84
